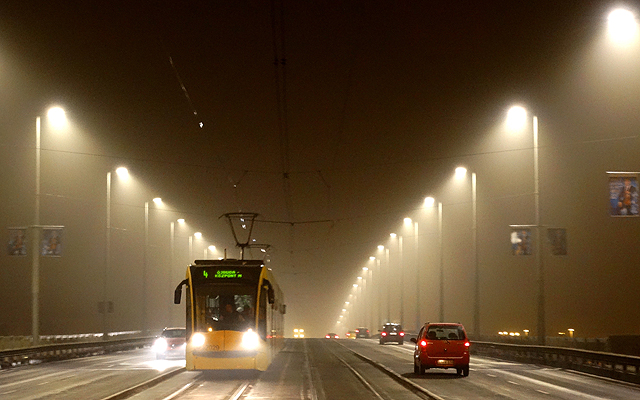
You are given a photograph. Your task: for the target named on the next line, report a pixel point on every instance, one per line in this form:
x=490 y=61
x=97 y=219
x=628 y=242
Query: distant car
x=331 y=335
x=441 y=345
x=171 y=342
x=298 y=333
x=351 y=335
x=392 y=333
x=363 y=333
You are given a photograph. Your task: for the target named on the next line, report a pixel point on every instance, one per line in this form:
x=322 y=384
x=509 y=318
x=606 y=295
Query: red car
x=172 y=342
x=441 y=345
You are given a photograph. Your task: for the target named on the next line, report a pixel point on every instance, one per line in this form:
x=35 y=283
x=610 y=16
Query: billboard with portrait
x=623 y=194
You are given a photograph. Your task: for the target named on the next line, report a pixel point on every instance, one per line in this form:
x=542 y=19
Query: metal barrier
x=614 y=366
x=9 y=358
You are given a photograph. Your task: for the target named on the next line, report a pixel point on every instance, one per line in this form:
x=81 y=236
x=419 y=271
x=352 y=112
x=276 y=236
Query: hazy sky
x=333 y=120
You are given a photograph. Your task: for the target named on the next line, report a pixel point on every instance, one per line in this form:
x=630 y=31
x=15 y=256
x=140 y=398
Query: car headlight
x=250 y=340
x=160 y=345
x=197 y=340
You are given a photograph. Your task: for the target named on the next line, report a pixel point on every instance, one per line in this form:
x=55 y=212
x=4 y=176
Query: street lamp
x=460 y=172
x=622 y=26
x=56 y=118
x=517 y=117
x=430 y=202
x=196 y=235
x=157 y=201
x=123 y=174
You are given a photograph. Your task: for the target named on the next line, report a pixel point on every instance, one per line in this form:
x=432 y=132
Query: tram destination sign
x=224 y=274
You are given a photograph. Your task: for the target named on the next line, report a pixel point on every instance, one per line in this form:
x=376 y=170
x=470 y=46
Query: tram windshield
x=225 y=307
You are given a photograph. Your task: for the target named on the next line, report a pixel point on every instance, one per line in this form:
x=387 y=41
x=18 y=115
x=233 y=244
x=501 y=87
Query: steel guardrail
x=48 y=352
x=615 y=366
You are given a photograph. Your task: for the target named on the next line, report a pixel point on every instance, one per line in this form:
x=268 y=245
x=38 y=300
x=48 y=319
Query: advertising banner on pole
x=521 y=241
x=558 y=240
x=51 y=245
x=17 y=242
x=623 y=194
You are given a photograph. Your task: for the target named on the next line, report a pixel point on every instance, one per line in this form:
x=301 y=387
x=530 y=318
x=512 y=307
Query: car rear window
x=393 y=328
x=444 y=332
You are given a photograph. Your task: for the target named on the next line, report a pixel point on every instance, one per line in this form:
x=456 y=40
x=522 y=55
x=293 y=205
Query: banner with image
x=623 y=194
x=17 y=242
x=51 y=245
x=521 y=241
x=558 y=241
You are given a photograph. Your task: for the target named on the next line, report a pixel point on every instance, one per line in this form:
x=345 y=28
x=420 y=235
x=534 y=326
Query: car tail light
x=357 y=330
x=467 y=344
x=423 y=343
x=336 y=337
x=327 y=336
x=367 y=331
x=383 y=334
x=401 y=333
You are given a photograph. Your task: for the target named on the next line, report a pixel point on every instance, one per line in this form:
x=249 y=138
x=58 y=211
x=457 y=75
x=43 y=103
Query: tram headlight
x=250 y=340
x=197 y=339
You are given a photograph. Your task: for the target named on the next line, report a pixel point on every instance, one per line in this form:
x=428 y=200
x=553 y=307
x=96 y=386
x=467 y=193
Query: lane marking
x=541 y=391
x=240 y=391
x=176 y=393
x=514 y=383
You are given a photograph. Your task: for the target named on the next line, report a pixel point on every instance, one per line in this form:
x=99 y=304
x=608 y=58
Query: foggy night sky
x=376 y=105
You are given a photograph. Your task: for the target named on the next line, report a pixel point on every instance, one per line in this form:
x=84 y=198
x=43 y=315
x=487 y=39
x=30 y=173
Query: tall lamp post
x=123 y=173
x=56 y=117
x=157 y=201
x=517 y=118
x=428 y=203
x=461 y=172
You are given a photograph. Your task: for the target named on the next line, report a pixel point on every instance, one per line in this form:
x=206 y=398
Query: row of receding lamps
x=623 y=29
x=57 y=120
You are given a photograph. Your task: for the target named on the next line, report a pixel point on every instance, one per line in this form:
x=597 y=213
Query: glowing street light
x=622 y=26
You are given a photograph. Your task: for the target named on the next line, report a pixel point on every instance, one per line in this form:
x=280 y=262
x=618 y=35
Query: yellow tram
x=234 y=315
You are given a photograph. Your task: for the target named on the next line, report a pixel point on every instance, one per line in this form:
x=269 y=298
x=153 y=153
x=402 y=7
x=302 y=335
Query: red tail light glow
x=467 y=344
x=383 y=334
x=357 y=331
x=401 y=333
x=328 y=337
x=423 y=343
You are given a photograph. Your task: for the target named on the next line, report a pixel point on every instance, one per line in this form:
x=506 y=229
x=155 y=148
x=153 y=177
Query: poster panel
x=17 y=245
x=558 y=240
x=521 y=241
x=51 y=245
x=623 y=194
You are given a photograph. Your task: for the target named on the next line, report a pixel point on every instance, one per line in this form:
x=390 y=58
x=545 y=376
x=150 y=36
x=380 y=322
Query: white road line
x=177 y=393
x=514 y=383
x=541 y=391
x=240 y=391
x=492 y=375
